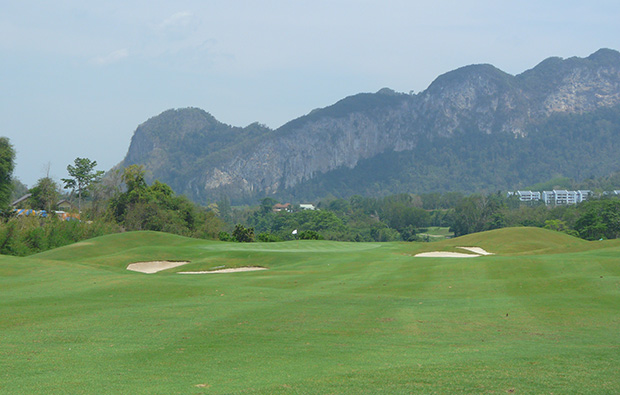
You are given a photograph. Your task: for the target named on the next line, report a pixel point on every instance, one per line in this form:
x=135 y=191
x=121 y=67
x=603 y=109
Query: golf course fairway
x=539 y=316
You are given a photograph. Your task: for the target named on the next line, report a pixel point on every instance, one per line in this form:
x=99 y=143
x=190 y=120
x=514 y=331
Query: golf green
x=541 y=316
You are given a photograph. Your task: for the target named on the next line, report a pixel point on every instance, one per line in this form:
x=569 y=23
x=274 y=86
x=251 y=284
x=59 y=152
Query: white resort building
x=527 y=196
x=555 y=197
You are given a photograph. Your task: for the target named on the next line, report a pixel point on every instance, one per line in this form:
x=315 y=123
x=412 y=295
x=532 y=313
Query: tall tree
x=137 y=192
x=266 y=205
x=83 y=174
x=44 y=194
x=7 y=164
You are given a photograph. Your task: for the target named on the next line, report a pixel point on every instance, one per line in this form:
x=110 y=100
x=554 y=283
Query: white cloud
x=112 y=57
x=182 y=18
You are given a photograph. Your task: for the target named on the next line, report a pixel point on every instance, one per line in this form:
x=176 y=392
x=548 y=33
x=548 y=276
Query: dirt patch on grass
x=154 y=266
x=230 y=270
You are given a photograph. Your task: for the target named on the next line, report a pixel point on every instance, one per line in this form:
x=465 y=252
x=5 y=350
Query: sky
x=78 y=77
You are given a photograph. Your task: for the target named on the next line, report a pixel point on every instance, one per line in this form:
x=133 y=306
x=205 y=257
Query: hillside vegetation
x=540 y=316
x=474 y=129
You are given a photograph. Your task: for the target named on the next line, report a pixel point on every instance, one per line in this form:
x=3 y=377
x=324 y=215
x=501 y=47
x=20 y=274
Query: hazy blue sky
x=78 y=77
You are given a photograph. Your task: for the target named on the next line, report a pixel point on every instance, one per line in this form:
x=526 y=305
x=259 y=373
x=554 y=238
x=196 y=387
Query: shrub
x=310 y=235
x=267 y=237
x=26 y=236
x=243 y=234
x=224 y=236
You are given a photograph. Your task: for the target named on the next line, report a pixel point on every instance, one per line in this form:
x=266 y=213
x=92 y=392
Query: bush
x=26 y=236
x=243 y=234
x=310 y=235
x=267 y=237
x=36 y=239
x=224 y=236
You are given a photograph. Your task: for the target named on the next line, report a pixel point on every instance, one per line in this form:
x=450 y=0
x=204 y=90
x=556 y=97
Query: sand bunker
x=231 y=270
x=154 y=266
x=477 y=251
x=158 y=266
x=445 y=254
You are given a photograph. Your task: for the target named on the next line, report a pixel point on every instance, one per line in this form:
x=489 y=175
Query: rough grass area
x=541 y=316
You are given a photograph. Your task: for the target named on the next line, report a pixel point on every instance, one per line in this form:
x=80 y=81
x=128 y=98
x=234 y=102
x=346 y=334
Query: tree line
x=406 y=217
x=123 y=201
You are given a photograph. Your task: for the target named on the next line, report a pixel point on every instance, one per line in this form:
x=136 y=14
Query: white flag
x=295 y=232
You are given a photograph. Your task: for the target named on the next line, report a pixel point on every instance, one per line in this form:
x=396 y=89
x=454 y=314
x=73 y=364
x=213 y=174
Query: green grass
x=541 y=316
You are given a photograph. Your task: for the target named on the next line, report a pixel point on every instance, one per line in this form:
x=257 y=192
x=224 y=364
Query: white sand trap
x=231 y=270
x=477 y=250
x=154 y=266
x=444 y=254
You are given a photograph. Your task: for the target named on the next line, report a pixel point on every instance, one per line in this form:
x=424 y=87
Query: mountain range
x=473 y=129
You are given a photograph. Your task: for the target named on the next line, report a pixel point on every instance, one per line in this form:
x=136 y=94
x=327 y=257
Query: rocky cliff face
x=197 y=155
x=318 y=146
x=478 y=97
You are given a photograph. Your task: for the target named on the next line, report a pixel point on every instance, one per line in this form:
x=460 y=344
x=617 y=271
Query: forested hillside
x=476 y=128
x=578 y=146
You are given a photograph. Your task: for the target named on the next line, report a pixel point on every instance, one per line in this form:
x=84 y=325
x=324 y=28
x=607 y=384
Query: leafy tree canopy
x=44 y=194
x=83 y=174
x=243 y=234
x=157 y=207
x=7 y=164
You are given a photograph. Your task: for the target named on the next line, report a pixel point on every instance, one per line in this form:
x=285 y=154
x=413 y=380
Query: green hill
x=104 y=248
x=540 y=316
x=517 y=241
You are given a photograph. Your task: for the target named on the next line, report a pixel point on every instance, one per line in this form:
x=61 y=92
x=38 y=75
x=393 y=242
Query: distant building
x=526 y=196
x=64 y=205
x=555 y=197
x=307 y=206
x=281 y=207
x=562 y=196
x=583 y=195
x=21 y=200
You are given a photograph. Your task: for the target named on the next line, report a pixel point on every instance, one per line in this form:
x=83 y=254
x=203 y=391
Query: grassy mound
x=115 y=243
x=120 y=250
x=539 y=317
x=515 y=241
